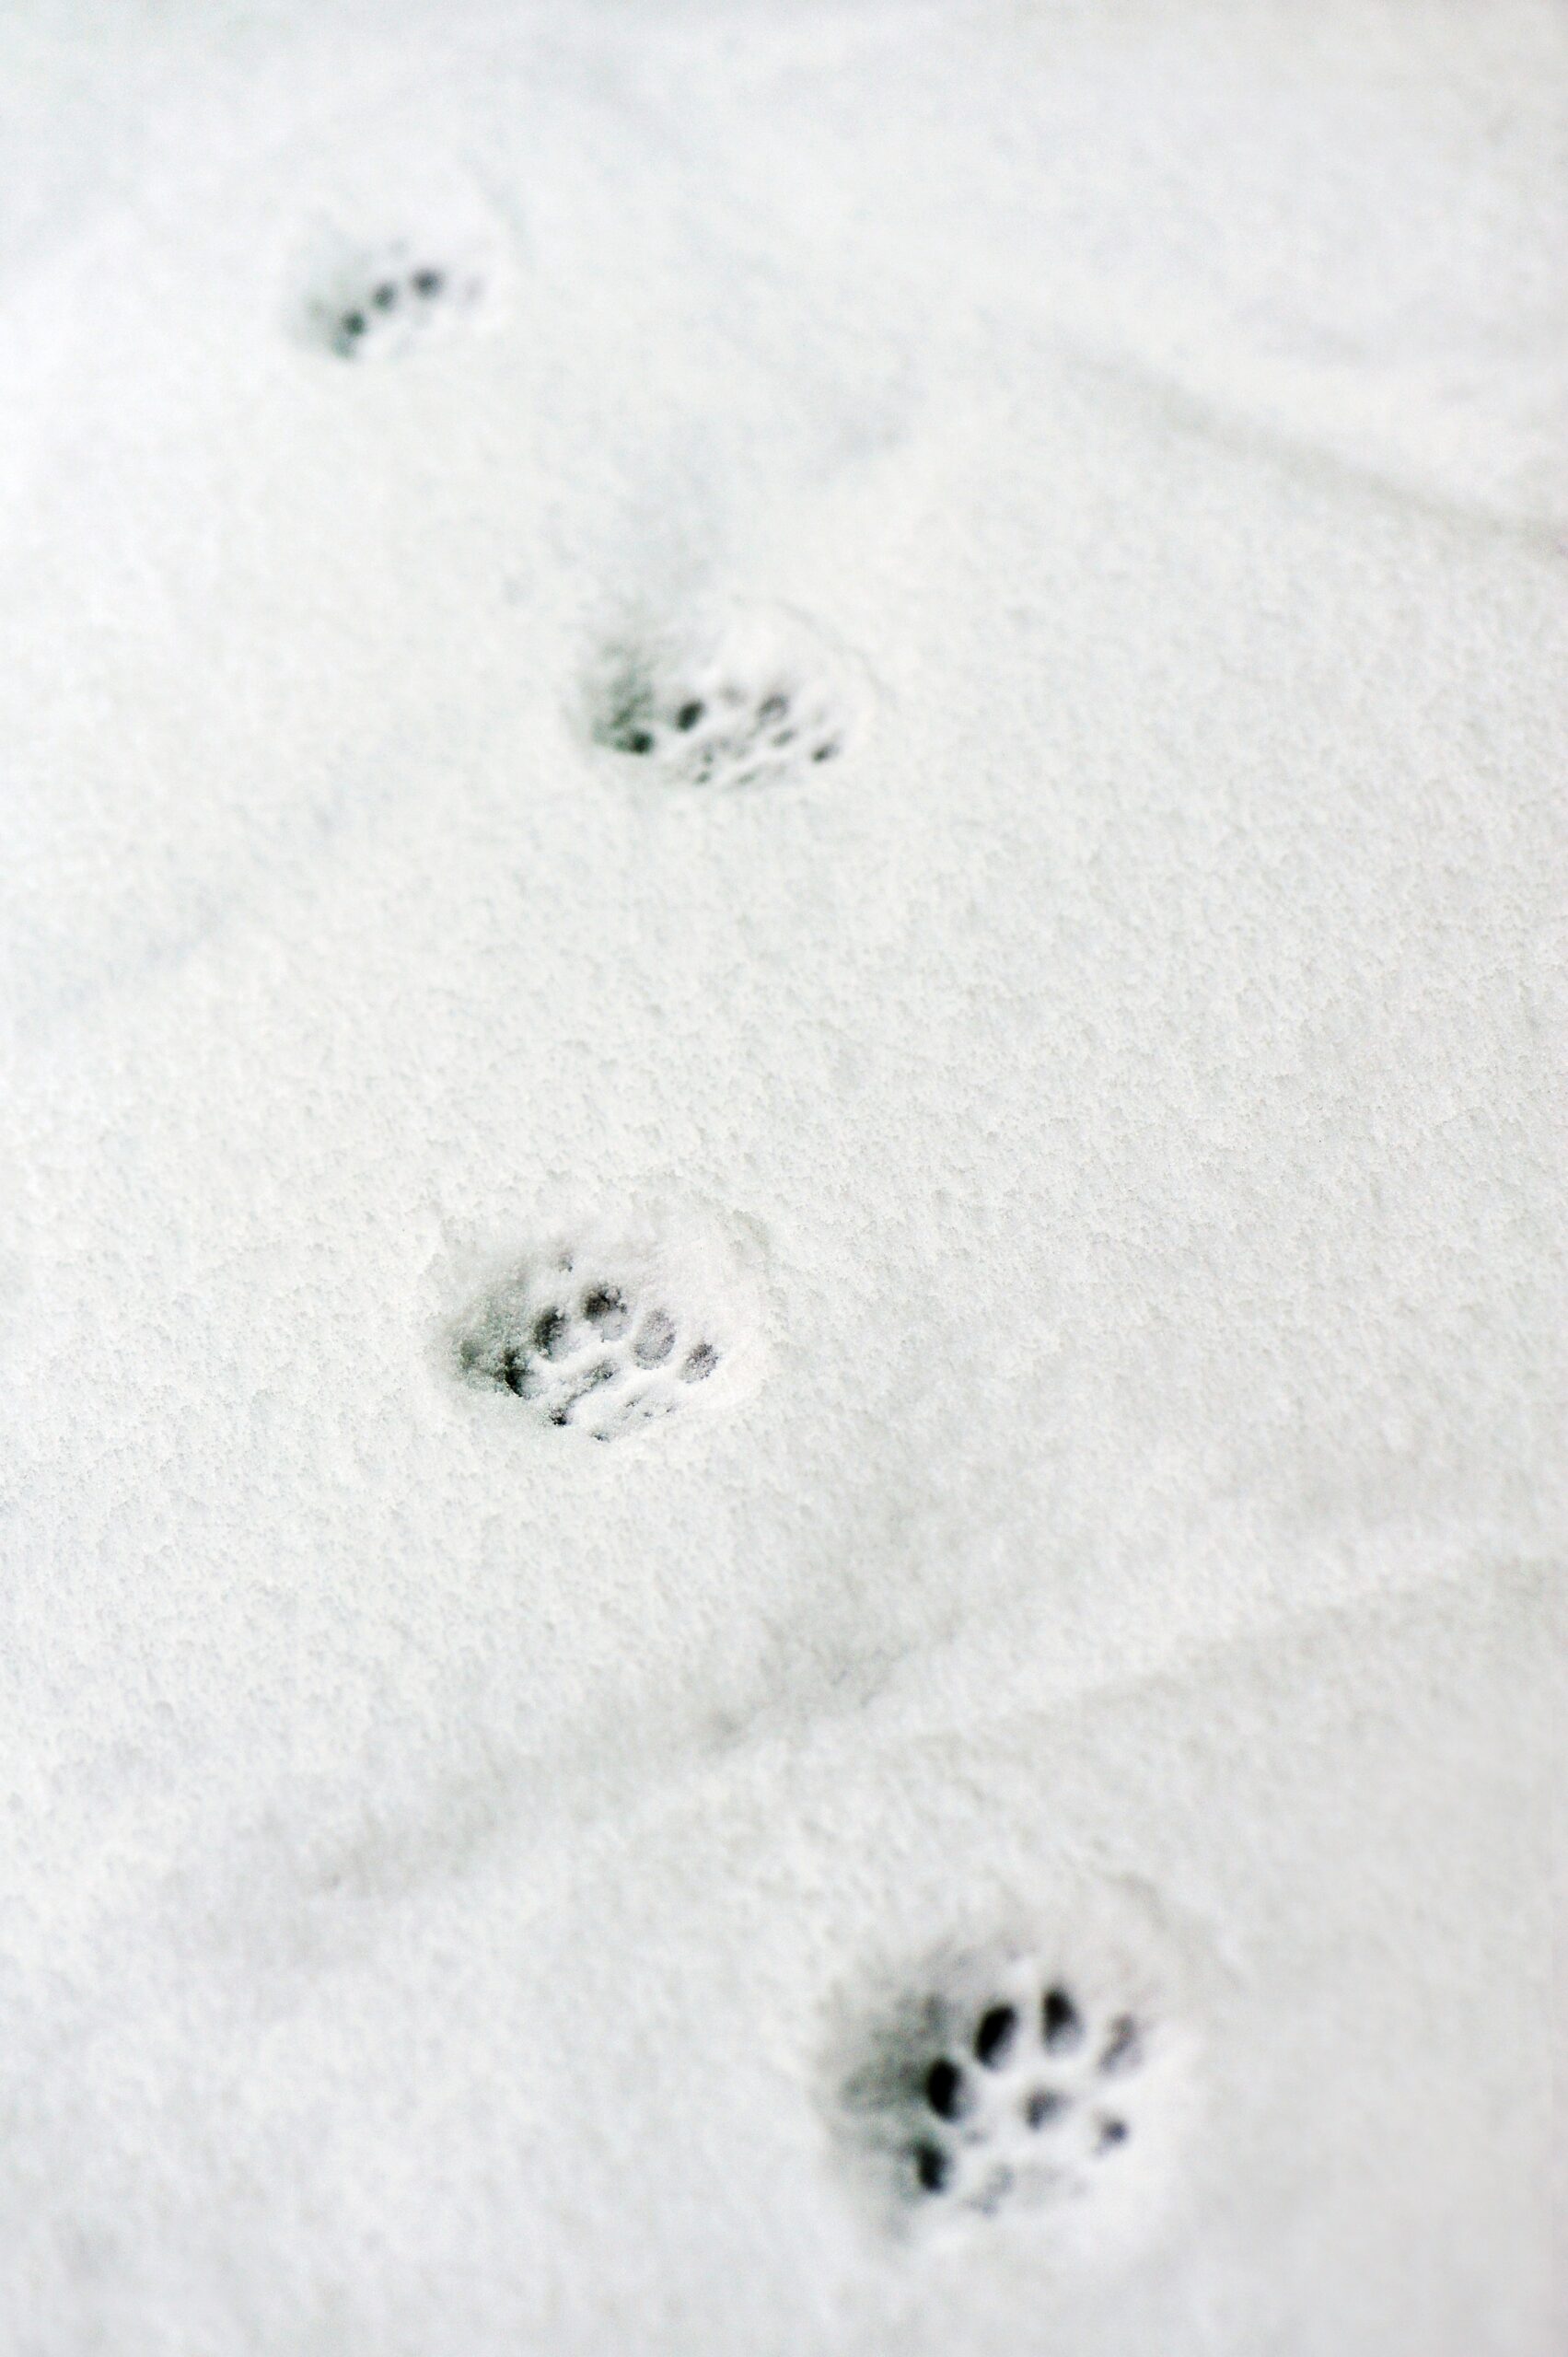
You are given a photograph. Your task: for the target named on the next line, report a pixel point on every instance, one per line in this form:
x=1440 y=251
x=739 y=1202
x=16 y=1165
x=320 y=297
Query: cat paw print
x=759 y=700
x=608 y=1340
x=1018 y=2088
x=382 y=302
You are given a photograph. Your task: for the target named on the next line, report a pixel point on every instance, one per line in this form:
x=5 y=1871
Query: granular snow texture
x=1105 y=1120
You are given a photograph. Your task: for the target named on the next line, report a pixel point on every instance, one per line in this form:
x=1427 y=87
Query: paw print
x=1016 y=2089
x=594 y=1341
x=377 y=305
x=762 y=702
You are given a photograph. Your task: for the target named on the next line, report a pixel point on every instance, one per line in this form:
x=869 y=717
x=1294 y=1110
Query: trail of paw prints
x=759 y=700
x=1018 y=2088
x=608 y=1340
x=383 y=302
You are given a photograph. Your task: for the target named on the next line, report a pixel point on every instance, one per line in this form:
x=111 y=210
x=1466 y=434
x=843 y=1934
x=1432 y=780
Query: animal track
x=1013 y=2088
x=761 y=701
x=605 y=1341
x=380 y=303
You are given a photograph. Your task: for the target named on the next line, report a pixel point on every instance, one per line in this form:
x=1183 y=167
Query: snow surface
x=452 y=1872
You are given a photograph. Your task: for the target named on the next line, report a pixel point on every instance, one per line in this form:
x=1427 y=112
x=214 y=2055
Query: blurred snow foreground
x=881 y=816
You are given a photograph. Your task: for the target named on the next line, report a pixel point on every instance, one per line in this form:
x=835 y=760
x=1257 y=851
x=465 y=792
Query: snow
x=453 y=1872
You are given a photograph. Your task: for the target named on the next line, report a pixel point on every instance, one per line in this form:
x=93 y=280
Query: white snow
x=449 y=1872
